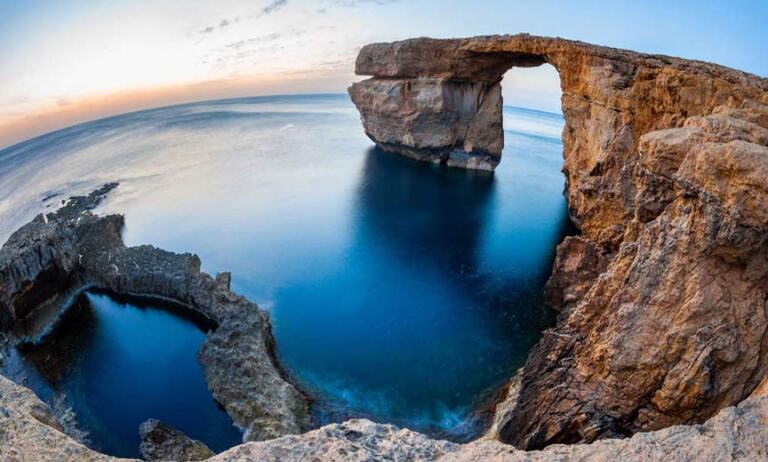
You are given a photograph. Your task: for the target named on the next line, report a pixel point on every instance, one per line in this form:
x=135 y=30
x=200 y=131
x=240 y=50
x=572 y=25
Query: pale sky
x=66 y=61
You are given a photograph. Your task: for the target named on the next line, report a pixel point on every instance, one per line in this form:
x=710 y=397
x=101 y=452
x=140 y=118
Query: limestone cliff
x=665 y=293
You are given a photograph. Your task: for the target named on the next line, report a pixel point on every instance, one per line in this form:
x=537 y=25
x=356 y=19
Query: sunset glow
x=65 y=62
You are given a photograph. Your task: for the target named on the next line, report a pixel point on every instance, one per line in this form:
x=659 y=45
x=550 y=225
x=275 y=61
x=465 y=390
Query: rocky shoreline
x=65 y=252
x=660 y=348
x=29 y=432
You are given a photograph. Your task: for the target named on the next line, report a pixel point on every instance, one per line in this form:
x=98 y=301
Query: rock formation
x=664 y=294
x=159 y=442
x=71 y=249
x=29 y=432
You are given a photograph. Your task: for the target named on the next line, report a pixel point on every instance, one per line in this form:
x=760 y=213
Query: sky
x=67 y=61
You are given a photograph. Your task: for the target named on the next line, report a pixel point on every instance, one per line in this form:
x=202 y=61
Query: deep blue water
x=399 y=291
x=116 y=363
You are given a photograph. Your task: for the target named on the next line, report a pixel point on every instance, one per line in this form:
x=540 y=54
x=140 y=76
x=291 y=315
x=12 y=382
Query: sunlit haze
x=64 y=62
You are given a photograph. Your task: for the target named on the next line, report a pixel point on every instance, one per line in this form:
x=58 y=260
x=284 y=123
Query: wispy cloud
x=273 y=6
x=261 y=39
x=354 y=3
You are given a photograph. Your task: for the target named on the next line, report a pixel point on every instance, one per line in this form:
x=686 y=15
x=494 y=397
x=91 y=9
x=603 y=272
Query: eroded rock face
x=435 y=120
x=85 y=250
x=577 y=264
x=27 y=433
x=159 y=442
x=666 y=165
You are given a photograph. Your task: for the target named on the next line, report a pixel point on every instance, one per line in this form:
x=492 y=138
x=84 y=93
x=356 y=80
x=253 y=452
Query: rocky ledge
x=29 y=432
x=664 y=295
x=62 y=253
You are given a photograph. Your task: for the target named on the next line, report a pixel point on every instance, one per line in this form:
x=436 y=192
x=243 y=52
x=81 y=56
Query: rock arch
x=440 y=100
x=665 y=292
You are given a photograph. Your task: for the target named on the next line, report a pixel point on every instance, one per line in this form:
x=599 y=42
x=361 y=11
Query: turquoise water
x=399 y=291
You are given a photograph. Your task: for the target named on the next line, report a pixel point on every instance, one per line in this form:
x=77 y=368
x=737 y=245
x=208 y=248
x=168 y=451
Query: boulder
x=160 y=442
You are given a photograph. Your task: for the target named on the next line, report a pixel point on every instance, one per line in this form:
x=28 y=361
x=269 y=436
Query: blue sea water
x=399 y=291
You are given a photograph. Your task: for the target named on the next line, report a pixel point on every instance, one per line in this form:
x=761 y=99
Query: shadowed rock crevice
x=666 y=164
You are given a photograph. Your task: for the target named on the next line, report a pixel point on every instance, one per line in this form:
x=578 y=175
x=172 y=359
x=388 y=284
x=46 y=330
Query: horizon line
x=203 y=101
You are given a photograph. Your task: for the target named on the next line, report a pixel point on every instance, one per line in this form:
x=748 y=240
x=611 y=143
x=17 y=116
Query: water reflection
x=55 y=357
x=423 y=212
x=414 y=329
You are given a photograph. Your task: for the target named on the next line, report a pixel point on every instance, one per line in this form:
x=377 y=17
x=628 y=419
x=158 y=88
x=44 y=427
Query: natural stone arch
x=439 y=100
x=666 y=165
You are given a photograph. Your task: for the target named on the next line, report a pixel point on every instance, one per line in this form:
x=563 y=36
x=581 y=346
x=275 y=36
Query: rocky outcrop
x=435 y=120
x=29 y=433
x=737 y=433
x=665 y=292
x=159 y=442
x=74 y=249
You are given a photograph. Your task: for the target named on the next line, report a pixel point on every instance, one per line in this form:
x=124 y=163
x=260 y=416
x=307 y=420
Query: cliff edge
x=664 y=295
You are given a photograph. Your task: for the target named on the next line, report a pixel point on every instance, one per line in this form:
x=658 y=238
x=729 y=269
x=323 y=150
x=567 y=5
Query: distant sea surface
x=399 y=291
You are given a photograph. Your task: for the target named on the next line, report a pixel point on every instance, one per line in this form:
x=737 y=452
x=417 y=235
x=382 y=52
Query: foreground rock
x=63 y=252
x=28 y=432
x=664 y=295
x=159 y=442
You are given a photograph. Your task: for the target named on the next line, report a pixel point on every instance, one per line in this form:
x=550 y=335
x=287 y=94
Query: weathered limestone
x=665 y=293
x=159 y=442
x=436 y=120
x=73 y=248
x=577 y=264
x=28 y=432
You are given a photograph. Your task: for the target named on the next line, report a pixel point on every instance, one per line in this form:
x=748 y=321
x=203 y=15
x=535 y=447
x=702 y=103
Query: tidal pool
x=116 y=362
x=399 y=291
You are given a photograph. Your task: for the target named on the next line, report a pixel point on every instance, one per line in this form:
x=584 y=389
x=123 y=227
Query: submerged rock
x=665 y=317
x=73 y=249
x=159 y=442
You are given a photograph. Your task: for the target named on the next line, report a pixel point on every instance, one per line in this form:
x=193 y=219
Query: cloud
x=260 y=39
x=354 y=3
x=273 y=6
